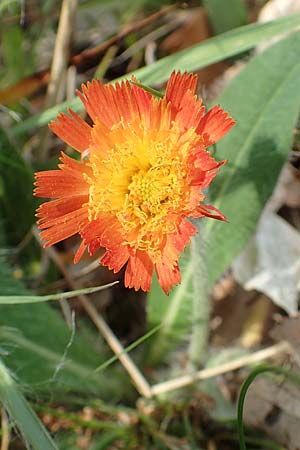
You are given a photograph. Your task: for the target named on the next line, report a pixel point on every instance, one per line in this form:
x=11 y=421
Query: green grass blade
x=22 y=299
x=213 y=50
x=27 y=421
x=128 y=349
x=292 y=376
x=264 y=99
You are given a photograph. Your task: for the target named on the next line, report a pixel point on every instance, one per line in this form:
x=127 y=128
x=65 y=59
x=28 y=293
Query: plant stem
x=201 y=304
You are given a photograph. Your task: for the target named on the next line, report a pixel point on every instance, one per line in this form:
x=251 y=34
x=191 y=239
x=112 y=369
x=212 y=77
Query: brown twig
x=83 y=61
x=59 y=64
x=61 y=53
x=186 y=380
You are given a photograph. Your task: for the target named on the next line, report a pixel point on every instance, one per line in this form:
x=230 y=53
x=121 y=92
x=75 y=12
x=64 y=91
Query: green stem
x=128 y=348
x=201 y=303
x=245 y=386
x=152 y=91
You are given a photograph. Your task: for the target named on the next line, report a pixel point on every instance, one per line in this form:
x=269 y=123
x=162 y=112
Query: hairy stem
x=201 y=303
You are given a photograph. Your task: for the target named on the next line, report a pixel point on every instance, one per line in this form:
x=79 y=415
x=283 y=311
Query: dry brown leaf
x=23 y=88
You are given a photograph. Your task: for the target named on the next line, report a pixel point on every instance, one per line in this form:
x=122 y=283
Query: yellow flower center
x=140 y=176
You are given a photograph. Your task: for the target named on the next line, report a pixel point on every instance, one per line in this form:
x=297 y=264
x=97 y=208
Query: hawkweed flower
x=144 y=165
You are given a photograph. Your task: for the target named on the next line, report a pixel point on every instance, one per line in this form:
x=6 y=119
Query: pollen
x=142 y=180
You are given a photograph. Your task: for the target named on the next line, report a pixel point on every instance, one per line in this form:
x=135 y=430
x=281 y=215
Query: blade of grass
x=22 y=299
x=213 y=50
x=128 y=348
x=32 y=429
x=292 y=376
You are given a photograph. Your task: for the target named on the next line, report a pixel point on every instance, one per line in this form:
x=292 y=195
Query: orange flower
x=144 y=165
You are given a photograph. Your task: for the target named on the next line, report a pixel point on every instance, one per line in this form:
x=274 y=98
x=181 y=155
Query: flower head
x=143 y=168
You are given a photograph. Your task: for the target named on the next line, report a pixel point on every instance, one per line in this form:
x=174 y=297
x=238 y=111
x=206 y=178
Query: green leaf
x=264 y=99
x=32 y=429
x=16 y=201
x=194 y=58
x=266 y=112
x=39 y=347
x=225 y=16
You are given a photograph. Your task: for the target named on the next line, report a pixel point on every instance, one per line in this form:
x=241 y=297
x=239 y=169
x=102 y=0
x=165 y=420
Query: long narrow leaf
x=27 y=421
x=264 y=99
x=22 y=299
x=213 y=50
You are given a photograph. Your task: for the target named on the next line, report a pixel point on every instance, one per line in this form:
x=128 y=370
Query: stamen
x=142 y=181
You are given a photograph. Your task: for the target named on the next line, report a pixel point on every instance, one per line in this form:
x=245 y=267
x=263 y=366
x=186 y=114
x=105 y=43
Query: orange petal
x=139 y=272
x=64 y=226
x=73 y=130
x=215 y=124
x=111 y=104
x=167 y=269
x=80 y=252
x=115 y=259
x=77 y=168
x=159 y=115
x=68 y=181
x=50 y=212
x=177 y=86
x=204 y=168
x=185 y=231
x=168 y=276
x=102 y=232
x=190 y=113
x=185 y=108
x=55 y=183
x=205 y=210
